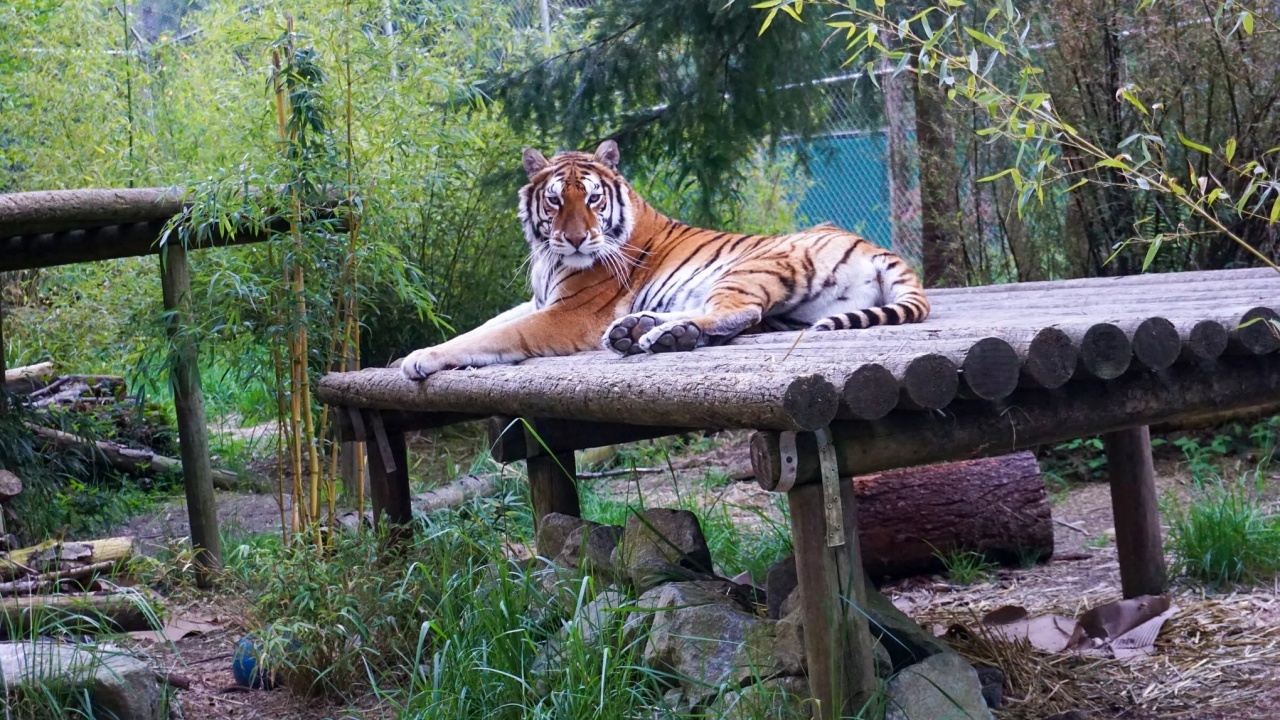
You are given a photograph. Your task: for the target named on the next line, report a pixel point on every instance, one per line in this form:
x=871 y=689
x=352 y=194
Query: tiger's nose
x=576 y=238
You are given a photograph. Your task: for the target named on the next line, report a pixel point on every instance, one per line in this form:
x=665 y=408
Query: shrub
x=1226 y=534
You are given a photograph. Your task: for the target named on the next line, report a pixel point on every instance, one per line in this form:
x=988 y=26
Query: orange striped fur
x=608 y=269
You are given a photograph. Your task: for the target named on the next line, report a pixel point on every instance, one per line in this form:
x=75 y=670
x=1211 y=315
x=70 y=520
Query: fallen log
x=139 y=463
x=28 y=373
x=70 y=389
x=50 y=581
x=995 y=506
x=56 y=556
x=87 y=613
x=455 y=493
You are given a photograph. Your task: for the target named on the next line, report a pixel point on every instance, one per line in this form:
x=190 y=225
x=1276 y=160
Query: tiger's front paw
x=675 y=336
x=623 y=336
x=421 y=364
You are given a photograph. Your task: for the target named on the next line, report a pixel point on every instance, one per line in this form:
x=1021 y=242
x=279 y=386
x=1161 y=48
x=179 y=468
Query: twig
x=622 y=471
x=1065 y=524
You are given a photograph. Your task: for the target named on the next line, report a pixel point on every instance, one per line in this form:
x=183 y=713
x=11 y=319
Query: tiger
x=607 y=269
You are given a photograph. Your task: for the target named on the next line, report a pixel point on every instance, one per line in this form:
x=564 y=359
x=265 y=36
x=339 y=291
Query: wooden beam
x=1029 y=418
x=4 y=374
x=782 y=398
x=512 y=439
x=1214 y=278
x=388 y=462
x=1137 y=514
x=105 y=243
x=833 y=596
x=49 y=211
x=553 y=486
x=188 y=402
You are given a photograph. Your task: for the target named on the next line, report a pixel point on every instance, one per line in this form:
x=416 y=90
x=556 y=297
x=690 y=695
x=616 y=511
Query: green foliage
x=687 y=85
x=1090 y=99
x=1226 y=533
x=965 y=567
x=446 y=627
x=69 y=492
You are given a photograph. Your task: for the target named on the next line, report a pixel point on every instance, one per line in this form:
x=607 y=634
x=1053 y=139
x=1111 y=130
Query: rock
x=660 y=545
x=943 y=687
x=10 y=485
x=790 y=651
x=553 y=531
x=779 y=582
x=596 y=617
x=589 y=548
x=992 y=679
x=671 y=595
x=783 y=697
x=712 y=647
x=117 y=685
x=906 y=642
x=675 y=704
x=791 y=603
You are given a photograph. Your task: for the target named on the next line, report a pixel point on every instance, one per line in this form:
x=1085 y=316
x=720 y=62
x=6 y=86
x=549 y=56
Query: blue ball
x=244 y=665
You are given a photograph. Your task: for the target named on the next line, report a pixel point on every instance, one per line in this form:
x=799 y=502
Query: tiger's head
x=576 y=208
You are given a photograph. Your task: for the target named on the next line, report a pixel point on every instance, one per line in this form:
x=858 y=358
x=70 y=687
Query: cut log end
x=1051 y=359
x=870 y=392
x=1105 y=351
x=1205 y=342
x=1258 y=332
x=1156 y=344
x=810 y=402
x=929 y=382
x=991 y=369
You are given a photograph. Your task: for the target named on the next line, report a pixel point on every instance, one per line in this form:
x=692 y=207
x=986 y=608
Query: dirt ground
x=1083 y=573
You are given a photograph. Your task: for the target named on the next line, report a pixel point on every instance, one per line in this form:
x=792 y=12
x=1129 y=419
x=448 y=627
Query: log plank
x=1030 y=418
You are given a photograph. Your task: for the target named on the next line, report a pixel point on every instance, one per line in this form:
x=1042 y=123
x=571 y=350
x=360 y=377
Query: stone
x=782 y=698
x=589 y=548
x=553 y=531
x=992 y=679
x=942 y=687
x=10 y=485
x=793 y=601
x=596 y=617
x=709 y=648
x=660 y=545
x=779 y=582
x=117 y=684
x=681 y=594
x=906 y=642
x=790 y=648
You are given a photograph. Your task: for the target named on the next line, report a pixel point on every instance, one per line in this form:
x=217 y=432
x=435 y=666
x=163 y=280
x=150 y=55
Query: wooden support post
x=1137 y=517
x=4 y=395
x=830 y=581
x=351 y=469
x=388 y=461
x=553 y=486
x=188 y=403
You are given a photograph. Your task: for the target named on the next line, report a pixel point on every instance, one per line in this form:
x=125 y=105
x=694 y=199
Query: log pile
x=985 y=344
x=52 y=566
x=38 y=388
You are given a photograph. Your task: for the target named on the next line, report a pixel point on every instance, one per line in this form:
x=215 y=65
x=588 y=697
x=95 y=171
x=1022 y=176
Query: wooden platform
x=993 y=369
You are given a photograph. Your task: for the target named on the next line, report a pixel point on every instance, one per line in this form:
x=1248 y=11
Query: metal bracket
x=790 y=461
x=831 y=502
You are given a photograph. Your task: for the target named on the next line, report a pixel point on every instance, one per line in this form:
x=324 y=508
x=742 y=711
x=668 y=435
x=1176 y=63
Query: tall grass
x=1226 y=533
x=448 y=626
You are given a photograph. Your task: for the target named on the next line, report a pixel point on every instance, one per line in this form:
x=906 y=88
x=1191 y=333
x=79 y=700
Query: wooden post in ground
x=4 y=396
x=1137 y=516
x=188 y=403
x=553 y=486
x=830 y=581
x=388 y=460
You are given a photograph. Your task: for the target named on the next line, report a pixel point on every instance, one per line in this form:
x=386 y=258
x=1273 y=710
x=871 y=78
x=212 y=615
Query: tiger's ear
x=533 y=162
x=607 y=154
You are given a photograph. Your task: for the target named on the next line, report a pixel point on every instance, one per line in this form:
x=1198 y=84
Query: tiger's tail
x=906 y=302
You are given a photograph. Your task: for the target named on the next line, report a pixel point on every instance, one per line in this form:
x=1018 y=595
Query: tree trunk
x=941 y=241
x=995 y=506
x=904 y=192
